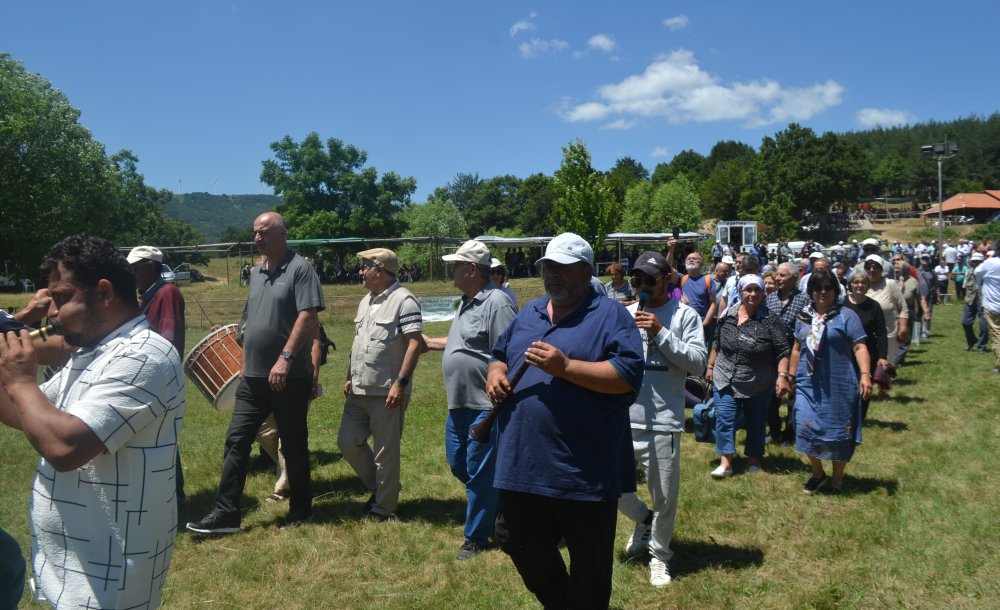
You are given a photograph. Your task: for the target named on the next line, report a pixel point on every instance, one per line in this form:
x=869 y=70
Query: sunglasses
x=648 y=280
x=872 y=266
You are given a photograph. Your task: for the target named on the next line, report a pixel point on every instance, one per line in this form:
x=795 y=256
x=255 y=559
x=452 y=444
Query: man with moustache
x=102 y=512
x=564 y=454
x=484 y=314
x=279 y=321
x=388 y=341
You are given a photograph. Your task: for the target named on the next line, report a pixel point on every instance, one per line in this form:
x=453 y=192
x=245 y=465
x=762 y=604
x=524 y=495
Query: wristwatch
x=403 y=381
x=287 y=356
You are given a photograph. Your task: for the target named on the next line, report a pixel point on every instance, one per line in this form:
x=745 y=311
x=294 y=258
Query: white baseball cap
x=471 y=251
x=568 y=248
x=874 y=257
x=728 y=260
x=495 y=262
x=816 y=255
x=871 y=241
x=144 y=253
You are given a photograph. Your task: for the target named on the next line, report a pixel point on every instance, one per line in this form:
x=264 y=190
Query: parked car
x=168 y=274
x=182 y=273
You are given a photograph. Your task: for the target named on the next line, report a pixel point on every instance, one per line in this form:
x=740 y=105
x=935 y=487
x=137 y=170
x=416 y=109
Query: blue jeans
x=969 y=315
x=727 y=408
x=473 y=463
x=12 y=571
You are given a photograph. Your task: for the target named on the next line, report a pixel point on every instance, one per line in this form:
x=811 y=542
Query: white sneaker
x=721 y=472
x=659 y=573
x=638 y=542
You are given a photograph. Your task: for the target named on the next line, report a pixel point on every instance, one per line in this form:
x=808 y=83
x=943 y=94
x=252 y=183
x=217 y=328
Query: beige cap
x=471 y=251
x=382 y=257
x=144 y=253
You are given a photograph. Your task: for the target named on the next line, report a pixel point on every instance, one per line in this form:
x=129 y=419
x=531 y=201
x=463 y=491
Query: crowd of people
x=552 y=405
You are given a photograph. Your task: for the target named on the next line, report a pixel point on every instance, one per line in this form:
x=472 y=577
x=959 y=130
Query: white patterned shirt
x=102 y=535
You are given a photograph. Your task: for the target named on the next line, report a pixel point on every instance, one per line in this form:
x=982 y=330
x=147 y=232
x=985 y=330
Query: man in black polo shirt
x=279 y=322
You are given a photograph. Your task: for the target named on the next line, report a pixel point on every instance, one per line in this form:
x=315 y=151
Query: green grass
x=917 y=527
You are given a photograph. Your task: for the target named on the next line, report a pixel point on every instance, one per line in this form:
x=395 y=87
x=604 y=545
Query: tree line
x=55 y=179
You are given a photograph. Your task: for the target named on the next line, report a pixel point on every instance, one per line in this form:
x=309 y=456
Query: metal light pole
x=941 y=151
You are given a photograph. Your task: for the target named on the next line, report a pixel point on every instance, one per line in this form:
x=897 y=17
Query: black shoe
x=370 y=503
x=813 y=485
x=469 y=550
x=215 y=524
x=295 y=519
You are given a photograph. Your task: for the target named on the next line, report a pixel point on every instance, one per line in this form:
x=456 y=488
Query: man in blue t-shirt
x=564 y=454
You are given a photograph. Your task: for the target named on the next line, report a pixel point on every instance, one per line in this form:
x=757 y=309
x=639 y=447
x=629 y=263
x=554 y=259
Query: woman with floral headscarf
x=832 y=376
x=748 y=363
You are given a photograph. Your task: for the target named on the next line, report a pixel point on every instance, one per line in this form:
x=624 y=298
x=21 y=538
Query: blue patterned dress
x=827 y=400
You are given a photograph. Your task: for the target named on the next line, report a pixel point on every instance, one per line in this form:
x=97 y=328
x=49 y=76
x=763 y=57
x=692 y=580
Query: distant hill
x=211 y=214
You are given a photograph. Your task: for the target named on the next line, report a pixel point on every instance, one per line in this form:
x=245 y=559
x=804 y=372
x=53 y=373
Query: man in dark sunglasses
x=673 y=347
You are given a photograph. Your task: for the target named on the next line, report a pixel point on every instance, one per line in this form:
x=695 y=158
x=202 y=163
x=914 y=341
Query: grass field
x=917 y=526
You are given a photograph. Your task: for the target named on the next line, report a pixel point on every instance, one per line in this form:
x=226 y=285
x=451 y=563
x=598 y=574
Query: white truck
x=742 y=234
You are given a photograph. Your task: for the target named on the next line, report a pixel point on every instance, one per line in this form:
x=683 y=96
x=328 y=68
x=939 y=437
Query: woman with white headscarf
x=748 y=363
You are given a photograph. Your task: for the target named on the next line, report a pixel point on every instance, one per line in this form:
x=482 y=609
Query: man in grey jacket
x=673 y=346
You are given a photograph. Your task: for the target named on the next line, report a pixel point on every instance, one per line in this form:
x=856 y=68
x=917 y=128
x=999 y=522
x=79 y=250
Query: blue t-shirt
x=558 y=439
x=696 y=291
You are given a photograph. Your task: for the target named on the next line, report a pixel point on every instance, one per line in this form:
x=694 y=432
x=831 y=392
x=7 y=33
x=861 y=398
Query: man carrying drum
x=280 y=320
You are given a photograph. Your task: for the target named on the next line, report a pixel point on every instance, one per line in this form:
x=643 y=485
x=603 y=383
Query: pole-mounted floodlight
x=941 y=151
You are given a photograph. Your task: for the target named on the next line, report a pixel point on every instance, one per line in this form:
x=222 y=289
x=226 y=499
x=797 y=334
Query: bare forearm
x=413 y=348
x=436 y=343
x=596 y=376
x=305 y=328
x=9 y=415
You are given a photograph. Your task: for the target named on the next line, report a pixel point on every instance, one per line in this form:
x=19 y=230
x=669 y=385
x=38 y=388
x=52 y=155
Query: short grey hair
x=792 y=268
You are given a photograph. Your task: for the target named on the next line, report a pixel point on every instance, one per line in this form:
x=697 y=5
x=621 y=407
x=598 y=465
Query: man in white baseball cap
x=564 y=452
x=569 y=248
x=483 y=315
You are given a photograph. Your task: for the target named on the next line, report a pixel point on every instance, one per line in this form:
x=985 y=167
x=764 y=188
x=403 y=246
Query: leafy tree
x=775 y=218
x=584 y=204
x=814 y=172
x=328 y=191
x=538 y=196
x=722 y=193
x=234 y=233
x=55 y=179
x=657 y=209
x=626 y=173
x=435 y=219
x=890 y=175
x=726 y=151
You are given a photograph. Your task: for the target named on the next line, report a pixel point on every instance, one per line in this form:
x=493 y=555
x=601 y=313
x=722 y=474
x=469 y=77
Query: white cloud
x=675 y=87
x=884 y=117
x=537 y=46
x=676 y=23
x=524 y=25
x=602 y=42
x=659 y=151
x=620 y=124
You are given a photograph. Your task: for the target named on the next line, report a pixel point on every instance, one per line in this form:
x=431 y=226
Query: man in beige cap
x=163 y=305
x=484 y=314
x=387 y=343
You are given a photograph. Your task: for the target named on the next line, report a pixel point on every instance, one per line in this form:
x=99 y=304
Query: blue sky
x=198 y=90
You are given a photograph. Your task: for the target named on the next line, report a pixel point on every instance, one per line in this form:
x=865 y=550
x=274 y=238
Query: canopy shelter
x=981 y=206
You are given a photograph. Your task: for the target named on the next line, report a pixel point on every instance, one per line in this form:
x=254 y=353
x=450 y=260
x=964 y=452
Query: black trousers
x=529 y=528
x=255 y=400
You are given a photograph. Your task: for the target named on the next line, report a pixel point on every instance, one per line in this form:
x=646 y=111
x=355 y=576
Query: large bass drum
x=214 y=366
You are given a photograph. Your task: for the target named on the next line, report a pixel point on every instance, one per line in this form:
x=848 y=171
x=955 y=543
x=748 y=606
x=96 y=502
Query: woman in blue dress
x=832 y=376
